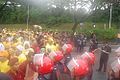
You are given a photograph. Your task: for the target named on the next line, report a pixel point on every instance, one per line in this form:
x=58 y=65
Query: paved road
x=100 y=75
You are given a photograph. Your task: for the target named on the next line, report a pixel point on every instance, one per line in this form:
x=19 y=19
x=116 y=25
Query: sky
x=79 y=4
x=86 y=6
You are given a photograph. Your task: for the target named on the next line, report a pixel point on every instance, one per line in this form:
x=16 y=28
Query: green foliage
x=51 y=20
x=42 y=13
x=49 y=17
x=102 y=34
x=107 y=35
x=116 y=14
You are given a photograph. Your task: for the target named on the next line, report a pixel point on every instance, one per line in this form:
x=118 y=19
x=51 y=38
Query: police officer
x=105 y=51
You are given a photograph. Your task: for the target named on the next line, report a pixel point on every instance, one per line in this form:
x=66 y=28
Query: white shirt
x=2 y=47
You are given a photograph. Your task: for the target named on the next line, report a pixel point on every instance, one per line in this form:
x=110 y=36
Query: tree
x=11 y=11
x=79 y=12
x=101 y=10
x=76 y=7
x=52 y=12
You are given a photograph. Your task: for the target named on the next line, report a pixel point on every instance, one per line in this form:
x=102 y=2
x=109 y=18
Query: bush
x=107 y=35
x=102 y=34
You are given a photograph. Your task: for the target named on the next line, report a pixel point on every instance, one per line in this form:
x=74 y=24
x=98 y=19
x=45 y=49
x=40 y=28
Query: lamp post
x=110 y=19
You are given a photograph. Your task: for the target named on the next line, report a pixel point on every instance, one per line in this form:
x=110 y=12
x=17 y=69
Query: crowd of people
x=17 y=49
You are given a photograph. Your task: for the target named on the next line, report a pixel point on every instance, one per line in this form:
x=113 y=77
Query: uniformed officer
x=105 y=51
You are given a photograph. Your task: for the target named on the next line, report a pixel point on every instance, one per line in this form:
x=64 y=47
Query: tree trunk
x=75 y=18
x=74 y=27
x=76 y=22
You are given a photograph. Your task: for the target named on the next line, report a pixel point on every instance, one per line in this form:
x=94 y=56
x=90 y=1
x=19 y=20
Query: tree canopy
x=51 y=12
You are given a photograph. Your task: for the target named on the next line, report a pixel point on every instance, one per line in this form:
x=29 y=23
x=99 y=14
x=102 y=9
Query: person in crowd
x=93 y=42
x=2 y=47
x=79 y=43
x=4 y=67
x=83 y=41
x=105 y=52
x=75 y=41
x=13 y=63
x=93 y=36
x=26 y=69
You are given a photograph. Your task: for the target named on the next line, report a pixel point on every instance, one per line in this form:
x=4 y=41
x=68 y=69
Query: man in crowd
x=93 y=42
x=105 y=51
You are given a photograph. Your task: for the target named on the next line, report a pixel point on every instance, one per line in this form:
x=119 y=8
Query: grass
x=13 y=26
x=61 y=27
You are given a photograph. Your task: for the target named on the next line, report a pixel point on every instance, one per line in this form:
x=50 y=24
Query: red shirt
x=36 y=48
x=21 y=72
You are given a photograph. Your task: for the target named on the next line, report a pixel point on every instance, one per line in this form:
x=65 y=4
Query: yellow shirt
x=57 y=47
x=7 y=44
x=48 y=48
x=21 y=58
x=15 y=44
x=52 y=47
x=4 y=67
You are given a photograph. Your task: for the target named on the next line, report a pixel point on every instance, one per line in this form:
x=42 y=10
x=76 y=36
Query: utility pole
x=110 y=19
x=28 y=15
